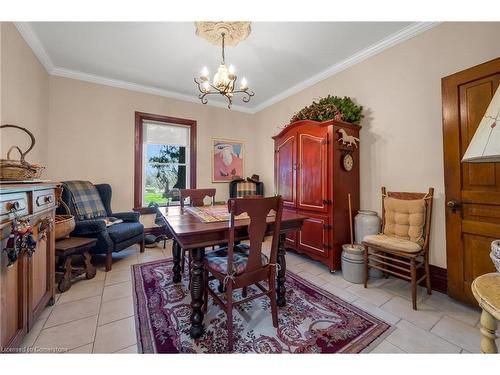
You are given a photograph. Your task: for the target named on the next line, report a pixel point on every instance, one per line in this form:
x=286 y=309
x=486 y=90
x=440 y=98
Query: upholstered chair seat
x=392 y=243
x=217 y=260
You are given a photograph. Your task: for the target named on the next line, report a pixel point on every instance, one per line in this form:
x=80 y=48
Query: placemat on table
x=212 y=214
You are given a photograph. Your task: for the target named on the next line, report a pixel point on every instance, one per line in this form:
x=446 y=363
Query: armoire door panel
x=285 y=170
x=312 y=163
x=314 y=236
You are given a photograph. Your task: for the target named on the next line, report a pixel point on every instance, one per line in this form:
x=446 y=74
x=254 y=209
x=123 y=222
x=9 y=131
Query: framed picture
x=227 y=159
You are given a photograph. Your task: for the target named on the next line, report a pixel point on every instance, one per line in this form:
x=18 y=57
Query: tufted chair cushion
x=405 y=219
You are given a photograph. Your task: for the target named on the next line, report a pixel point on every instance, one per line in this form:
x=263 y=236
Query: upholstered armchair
x=91 y=223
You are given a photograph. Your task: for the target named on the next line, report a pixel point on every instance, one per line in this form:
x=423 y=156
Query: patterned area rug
x=313 y=321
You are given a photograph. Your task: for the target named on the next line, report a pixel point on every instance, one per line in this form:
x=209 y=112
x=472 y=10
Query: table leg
x=176 y=252
x=197 y=290
x=280 y=284
x=488 y=328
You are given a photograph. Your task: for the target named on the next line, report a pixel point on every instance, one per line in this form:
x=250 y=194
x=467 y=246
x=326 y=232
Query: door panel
x=285 y=170
x=13 y=319
x=314 y=236
x=476 y=187
x=40 y=263
x=312 y=170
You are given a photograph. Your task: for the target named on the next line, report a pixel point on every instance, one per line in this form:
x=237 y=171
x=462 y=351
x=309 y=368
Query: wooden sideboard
x=314 y=177
x=27 y=286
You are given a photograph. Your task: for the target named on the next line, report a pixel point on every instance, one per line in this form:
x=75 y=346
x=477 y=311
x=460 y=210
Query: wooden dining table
x=191 y=233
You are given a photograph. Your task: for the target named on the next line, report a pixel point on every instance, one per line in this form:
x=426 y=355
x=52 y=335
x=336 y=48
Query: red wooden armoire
x=316 y=166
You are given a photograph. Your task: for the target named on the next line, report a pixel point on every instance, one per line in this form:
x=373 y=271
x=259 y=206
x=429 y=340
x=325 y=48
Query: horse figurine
x=347 y=139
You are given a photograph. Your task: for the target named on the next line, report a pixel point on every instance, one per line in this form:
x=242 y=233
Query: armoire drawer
x=43 y=199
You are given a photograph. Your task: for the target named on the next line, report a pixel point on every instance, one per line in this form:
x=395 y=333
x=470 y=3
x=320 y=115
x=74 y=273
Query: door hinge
x=327 y=201
x=327 y=246
x=327 y=226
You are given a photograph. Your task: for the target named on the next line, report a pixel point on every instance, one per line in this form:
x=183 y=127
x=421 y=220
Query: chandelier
x=224 y=81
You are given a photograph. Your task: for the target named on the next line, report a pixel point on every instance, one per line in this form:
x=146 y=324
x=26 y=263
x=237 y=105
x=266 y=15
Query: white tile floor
x=97 y=316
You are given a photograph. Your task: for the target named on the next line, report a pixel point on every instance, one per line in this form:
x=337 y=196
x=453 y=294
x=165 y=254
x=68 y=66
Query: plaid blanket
x=86 y=200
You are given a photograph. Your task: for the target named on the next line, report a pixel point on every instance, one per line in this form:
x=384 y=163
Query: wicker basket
x=19 y=170
x=64 y=224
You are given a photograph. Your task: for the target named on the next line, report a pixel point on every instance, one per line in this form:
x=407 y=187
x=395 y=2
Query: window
x=165 y=159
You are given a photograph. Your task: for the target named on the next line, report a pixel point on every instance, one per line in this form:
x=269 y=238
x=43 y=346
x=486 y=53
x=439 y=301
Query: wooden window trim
x=140 y=117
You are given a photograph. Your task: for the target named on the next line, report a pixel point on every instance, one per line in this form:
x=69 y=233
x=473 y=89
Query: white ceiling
x=278 y=58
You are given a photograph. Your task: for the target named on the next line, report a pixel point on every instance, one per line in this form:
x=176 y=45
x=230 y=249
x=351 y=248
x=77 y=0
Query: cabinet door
x=13 y=293
x=41 y=267
x=285 y=155
x=314 y=236
x=312 y=182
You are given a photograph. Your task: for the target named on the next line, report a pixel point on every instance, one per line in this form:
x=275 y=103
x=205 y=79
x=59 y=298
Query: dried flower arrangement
x=331 y=107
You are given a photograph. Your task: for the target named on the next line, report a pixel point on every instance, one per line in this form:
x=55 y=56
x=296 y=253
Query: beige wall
x=91 y=134
x=24 y=96
x=400 y=88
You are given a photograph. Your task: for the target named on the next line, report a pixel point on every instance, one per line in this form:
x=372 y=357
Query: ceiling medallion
x=224 y=81
x=234 y=32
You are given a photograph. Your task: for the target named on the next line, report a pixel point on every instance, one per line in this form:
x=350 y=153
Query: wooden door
x=285 y=165
x=472 y=190
x=312 y=164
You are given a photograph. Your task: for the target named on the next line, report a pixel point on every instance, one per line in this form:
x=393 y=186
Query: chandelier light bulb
x=244 y=84
x=221 y=78
x=205 y=86
x=204 y=73
x=231 y=69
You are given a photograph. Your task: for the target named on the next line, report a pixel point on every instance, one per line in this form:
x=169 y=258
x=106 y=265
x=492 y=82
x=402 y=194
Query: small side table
x=65 y=249
x=486 y=290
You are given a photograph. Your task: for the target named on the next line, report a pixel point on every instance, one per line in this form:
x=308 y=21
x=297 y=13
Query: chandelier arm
x=203 y=98
x=230 y=101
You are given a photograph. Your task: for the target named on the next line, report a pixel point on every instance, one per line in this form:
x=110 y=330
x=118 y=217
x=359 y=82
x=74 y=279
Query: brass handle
x=13 y=206
x=454 y=205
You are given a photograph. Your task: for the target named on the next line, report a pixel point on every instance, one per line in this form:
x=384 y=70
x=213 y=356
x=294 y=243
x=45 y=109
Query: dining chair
x=196 y=196
x=403 y=246
x=241 y=266
x=196 y=199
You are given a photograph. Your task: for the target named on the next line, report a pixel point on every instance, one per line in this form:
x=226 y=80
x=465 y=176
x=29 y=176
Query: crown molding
x=35 y=44
x=404 y=34
x=73 y=74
